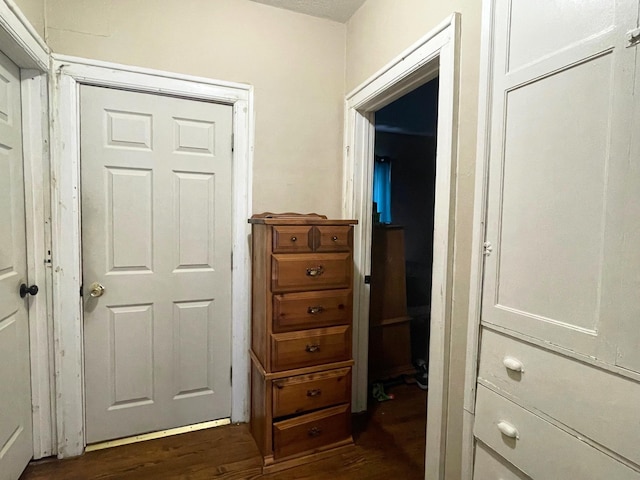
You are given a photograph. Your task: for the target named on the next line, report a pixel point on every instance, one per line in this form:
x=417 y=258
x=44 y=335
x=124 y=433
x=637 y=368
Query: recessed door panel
x=195 y=208
x=130 y=216
x=131 y=359
x=195 y=341
x=553 y=196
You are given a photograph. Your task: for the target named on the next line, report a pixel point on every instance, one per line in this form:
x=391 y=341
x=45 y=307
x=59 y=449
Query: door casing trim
x=435 y=54
x=68 y=74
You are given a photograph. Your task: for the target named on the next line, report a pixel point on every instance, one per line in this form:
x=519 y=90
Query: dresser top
x=289 y=218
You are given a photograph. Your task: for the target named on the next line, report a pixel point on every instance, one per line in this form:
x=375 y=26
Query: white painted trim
x=20 y=42
x=68 y=74
x=479 y=216
x=36 y=179
x=436 y=54
x=468 y=446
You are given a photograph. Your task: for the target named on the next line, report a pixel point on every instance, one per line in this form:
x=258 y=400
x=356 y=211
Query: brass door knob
x=96 y=290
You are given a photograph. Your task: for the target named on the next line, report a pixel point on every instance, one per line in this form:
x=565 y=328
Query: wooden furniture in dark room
x=389 y=324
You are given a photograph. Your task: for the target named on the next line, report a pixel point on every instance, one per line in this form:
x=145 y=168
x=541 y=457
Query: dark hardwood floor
x=390 y=444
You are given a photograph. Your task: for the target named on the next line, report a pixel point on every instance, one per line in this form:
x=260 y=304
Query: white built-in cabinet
x=558 y=387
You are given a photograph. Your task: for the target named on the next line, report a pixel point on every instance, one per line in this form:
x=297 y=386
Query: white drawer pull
x=508 y=430
x=513 y=364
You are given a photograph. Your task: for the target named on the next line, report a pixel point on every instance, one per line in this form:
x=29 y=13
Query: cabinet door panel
x=559 y=135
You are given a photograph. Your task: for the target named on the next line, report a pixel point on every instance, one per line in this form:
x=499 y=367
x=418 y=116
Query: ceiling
x=337 y=10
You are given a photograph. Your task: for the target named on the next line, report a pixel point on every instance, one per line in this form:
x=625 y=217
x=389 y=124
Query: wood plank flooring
x=390 y=444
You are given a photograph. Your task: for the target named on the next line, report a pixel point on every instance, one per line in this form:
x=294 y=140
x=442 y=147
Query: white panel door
x=156 y=234
x=560 y=135
x=16 y=444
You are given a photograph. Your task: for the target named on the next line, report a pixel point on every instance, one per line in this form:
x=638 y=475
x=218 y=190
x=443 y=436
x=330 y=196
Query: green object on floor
x=377 y=391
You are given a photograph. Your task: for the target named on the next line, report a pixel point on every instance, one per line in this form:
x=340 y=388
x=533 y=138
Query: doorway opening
x=434 y=55
x=404 y=173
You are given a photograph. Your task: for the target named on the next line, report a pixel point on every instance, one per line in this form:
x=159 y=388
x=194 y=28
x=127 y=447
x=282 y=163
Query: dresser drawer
x=304 y=393
x=292 y=239
x=600 y=405
x=325 y=271
x=333 y=239
x=310 y=347
x=297 y=311
x=488 y=466
x=538 y=448
x=307 y=433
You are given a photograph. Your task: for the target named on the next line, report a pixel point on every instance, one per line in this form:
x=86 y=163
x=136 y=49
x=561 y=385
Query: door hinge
x=233 y=141
x=487 y=249
x=232 y=260
x=81 y=290
x=633 y=37
x=230 y=375
x=367 y=279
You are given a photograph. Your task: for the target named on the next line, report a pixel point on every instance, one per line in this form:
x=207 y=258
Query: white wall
x=294 y=61
x=379 y=31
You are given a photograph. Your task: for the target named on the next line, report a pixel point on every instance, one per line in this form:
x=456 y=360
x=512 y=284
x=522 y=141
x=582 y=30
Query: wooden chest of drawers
x=301 y=337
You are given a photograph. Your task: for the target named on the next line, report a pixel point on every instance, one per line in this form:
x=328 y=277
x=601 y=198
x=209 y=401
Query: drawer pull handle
x=513 y=364
x=294 y=239
x=314 y=393
x=313 y=348
x=508 y=430
x=315 y=271
x=334 y=238
x=314 y=431
x=315 y=310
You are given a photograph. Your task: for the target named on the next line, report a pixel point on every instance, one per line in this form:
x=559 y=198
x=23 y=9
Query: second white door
x=156 y=246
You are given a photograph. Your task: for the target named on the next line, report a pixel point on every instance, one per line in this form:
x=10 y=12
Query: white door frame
x=68 y=73
x=435 y=54
x=21 y=43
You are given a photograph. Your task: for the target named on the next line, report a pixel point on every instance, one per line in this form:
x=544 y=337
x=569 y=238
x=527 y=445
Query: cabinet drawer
x=306 y=433
x=310 y=272
x=600 y=405
x=488 y=466
x=538 y=448
x=292 y=239
x=310 y=347
x=304 y=393
x=333 y=239
x=297 y=311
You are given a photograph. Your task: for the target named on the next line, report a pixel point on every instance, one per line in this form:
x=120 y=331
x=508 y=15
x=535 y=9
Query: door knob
x=96 y=290
x=24 y=290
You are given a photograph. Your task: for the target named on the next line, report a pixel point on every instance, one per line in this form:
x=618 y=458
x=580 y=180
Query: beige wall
x=377 y=33
x=294 y=61
x=34 y=11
